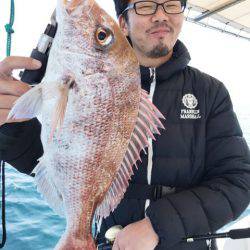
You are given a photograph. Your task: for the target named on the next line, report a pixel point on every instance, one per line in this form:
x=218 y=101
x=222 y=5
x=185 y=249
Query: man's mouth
x=159 y=32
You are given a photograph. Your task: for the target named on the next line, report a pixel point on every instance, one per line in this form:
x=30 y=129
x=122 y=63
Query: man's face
x=154 y=35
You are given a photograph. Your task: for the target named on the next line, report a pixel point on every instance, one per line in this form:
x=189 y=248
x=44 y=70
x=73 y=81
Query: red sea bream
x=95 y=119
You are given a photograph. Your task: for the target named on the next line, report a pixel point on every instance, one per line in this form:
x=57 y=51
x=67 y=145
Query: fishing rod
x=233 y=234
x=110 y=236
x=41 y=53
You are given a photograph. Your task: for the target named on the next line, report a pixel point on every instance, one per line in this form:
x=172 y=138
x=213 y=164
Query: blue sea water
x=31 y=224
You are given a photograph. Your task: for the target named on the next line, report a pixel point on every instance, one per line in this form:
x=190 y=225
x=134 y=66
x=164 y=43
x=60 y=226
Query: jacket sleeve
x=20 y=144
x=224 y=192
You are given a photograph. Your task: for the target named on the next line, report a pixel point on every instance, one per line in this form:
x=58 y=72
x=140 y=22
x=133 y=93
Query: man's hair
x=121 y=5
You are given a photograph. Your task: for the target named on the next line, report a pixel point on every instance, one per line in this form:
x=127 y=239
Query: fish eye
x=104 y=37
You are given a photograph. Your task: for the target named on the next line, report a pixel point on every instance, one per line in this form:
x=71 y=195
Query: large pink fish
x=95 y=119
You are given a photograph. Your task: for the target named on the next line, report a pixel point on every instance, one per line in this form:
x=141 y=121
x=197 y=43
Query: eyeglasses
x=146 y=8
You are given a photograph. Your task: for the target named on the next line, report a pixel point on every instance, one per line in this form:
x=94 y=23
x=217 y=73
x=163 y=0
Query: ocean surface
x=32 y=225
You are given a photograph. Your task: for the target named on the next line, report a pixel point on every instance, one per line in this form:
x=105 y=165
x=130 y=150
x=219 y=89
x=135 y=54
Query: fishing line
x=10 y=31
x=2 y=170
x=9 y=27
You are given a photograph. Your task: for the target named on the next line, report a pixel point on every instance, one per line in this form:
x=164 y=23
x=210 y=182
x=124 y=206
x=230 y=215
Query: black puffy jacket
x=201 y=154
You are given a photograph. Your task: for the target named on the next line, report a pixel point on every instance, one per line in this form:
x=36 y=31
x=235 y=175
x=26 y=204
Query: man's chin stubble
x=158 y=51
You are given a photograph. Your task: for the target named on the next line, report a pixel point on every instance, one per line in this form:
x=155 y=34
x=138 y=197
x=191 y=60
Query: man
x=197 y=173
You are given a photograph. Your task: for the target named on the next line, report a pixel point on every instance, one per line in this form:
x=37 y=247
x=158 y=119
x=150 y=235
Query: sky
x=222 y=56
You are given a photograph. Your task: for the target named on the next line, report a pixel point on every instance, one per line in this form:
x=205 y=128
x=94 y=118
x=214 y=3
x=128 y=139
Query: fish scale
x=95 y=119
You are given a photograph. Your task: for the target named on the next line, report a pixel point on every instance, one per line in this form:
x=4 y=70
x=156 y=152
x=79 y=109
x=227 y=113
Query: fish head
x=88 y=31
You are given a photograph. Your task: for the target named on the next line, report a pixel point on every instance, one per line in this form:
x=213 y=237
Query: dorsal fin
x=147 y=123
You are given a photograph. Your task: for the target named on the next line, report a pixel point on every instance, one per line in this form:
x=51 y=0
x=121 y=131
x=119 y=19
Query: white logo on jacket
x=190 y=102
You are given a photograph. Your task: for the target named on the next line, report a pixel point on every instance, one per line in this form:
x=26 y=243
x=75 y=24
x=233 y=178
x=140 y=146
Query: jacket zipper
x=150 y=147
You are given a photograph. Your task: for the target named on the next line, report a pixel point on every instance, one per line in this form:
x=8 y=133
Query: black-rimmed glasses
x=146 y=8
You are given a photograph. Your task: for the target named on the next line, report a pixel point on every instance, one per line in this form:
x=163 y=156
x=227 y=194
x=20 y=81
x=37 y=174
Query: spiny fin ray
x=146 y=124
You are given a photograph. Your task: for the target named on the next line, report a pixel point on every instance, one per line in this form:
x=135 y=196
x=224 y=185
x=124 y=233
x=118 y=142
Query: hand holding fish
x=139 y=235
x=10 y=88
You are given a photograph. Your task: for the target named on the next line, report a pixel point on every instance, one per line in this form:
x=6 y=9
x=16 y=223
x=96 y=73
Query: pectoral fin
x=28 y=105
x=61 y=105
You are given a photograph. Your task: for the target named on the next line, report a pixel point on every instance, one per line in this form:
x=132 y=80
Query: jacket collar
x=177 y=62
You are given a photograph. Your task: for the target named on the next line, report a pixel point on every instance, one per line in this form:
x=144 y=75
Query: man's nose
x=160 y=15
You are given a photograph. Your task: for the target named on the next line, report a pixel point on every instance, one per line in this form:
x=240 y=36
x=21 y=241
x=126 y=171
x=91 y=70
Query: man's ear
x=123 y=25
